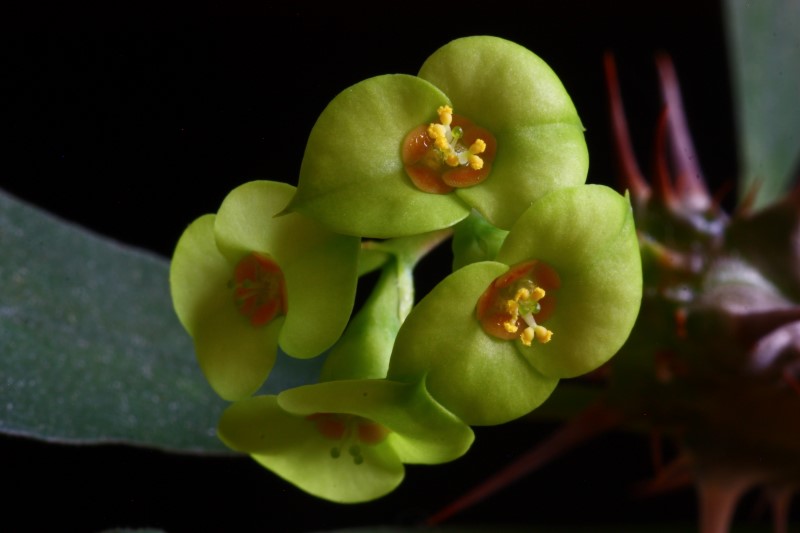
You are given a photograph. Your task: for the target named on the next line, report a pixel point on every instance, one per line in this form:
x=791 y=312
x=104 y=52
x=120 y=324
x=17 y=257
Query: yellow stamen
x=437 y=131
x=445 y=114
x=510 y=325
x=534 y=330
x=442 y=144
x=527 y=336
x=475 y=162
x=543 y=334
x=478 y=147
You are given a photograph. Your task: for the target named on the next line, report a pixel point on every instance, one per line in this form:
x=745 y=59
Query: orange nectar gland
x=453 y=153
x=516 y=303
x=349 y=431
x=259 y=290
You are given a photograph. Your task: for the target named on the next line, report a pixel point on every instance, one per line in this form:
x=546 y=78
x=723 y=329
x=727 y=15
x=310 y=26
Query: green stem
x=365 y=347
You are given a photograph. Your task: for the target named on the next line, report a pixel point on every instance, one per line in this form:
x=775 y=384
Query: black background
x=134 y=128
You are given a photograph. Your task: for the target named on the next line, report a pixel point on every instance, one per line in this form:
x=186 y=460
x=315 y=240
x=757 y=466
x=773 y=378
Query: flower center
x=439 y=157
x=516 y=303
x=350 y=431
x=259 y=290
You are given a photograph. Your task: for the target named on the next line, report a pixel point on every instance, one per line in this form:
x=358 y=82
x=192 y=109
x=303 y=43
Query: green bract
x=345 y=441
x=353 y=179
x=319 y=269
x=586 y=234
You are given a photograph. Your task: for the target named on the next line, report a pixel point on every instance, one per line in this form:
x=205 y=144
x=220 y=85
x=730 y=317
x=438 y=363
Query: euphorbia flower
x=244 y=282
x=345 y=441
x=485 y=125
x=558 y=301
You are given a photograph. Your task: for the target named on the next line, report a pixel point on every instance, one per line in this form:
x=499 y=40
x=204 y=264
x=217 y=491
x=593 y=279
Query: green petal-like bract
x=422 y=431
x=234 y=356
x=481 y=379
x=474 y=240
x=587 y=235
x=352 y=177
x=320 y=267
x=281 y=434
x=510 y=91
x=293 y=448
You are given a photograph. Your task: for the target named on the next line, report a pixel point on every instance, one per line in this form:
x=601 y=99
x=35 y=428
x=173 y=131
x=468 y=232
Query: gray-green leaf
x=764 y=51
x=90 y=348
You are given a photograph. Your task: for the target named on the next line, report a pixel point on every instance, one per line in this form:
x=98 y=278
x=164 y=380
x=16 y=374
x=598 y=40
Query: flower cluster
x=483 y=145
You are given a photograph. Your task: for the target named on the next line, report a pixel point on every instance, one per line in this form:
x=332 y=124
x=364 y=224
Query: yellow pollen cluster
x=446 y=140
x=533 y=330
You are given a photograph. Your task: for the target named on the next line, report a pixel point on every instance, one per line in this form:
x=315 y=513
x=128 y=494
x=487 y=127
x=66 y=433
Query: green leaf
x=91 y=348
x=764 y=48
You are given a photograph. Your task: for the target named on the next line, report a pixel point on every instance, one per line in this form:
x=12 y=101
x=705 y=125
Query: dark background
x=133 y=129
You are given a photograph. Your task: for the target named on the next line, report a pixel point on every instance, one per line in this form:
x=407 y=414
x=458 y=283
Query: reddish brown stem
x=595 y=420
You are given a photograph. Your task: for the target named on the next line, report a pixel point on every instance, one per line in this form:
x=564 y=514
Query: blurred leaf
x=764 y=52
x=90 y=348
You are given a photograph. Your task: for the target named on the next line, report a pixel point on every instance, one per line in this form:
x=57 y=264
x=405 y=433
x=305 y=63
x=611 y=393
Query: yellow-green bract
x=320 y=270
x=352 y=177
x=586 y=234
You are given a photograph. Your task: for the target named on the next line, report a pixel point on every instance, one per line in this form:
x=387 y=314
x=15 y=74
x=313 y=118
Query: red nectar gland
x=259 y=289
x=350 y=431
x=453 y=153
x=515 y=305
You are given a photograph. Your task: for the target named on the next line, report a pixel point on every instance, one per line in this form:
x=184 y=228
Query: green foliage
x=764 y=51
x=91 y=349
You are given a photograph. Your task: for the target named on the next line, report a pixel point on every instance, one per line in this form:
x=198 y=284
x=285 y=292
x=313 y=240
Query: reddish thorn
x=720 y=194
x=593 y=421
x=631 y=177
x=663 y=180
x=780 y=500
x=748 y=200
x=690 y=182
x=718 y=497
x=681 y=316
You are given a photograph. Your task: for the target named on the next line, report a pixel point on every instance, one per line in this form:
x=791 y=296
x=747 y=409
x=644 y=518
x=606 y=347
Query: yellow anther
x=543 y=334
x=445 y=114
x=538 y=294
x=527 y=336
x=442 y=144
x=478 y=147
x=522 y=294
x=452 y=159
x=512 y=308
x=475 y=162
x=437 y=131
